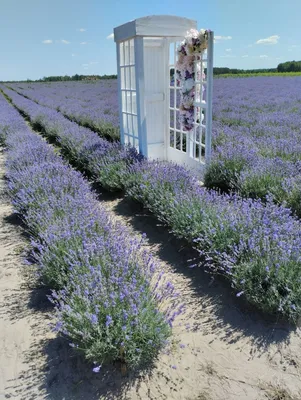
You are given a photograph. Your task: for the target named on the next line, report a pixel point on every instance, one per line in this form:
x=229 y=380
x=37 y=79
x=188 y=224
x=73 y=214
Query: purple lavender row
x=89 y=104
x=110 y=298
x=107 y=162
x=256 y=246
x=257 y=140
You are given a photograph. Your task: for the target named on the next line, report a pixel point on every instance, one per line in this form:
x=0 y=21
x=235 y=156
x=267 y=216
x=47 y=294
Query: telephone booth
x=149 y=91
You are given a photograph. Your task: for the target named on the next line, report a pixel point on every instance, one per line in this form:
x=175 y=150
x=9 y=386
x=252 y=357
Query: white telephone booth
x=149 y=92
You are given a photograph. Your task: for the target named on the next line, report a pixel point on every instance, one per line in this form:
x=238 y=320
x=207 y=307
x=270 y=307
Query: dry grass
x=209 y=368
x=201 y=396
x=278 y=392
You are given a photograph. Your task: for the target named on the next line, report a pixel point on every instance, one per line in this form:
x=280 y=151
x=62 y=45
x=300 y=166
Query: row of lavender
x=257 y=139
x=109 y=294
x=105 y=160
x=256 y=130
x=256 y=246
x=93 y=105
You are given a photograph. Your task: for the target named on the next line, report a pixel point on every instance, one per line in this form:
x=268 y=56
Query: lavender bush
x=105 y=161
x=111 y=301
x=255 y=245
x=93 y=105
x=257 y=143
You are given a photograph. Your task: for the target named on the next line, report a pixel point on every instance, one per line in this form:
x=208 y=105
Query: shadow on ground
x=52 y=369
x=230 y=317
x=65 y=375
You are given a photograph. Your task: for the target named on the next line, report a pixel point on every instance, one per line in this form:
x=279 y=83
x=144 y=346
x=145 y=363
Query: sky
x=63 y=37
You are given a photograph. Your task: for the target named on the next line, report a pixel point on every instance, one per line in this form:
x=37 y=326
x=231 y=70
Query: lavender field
x=255 y=243
x=111 y=300
x=256 y=129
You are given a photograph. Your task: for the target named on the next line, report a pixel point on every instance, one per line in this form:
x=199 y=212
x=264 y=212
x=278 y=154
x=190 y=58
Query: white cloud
x=82 y=30
x=111 y=36
x=222 y=37
x=93 y=62
x=269 y=40
x=48 y=41
x=245 y=56
x=83 y=42
x=263 y=56
x=85 y=65
x=292 y=47
x=250 y=45
x=228 y=50
x=73 y=55
x=64 y=41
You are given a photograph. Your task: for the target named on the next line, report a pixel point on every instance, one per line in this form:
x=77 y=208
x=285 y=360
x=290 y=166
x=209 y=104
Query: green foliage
x=250 y=75
x=223 y=174
x=289 y=66
x=61 y=78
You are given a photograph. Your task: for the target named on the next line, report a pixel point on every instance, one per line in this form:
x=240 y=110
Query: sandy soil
x=221 y=348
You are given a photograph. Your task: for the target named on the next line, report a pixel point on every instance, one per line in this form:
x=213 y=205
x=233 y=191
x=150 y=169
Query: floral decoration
x=190 y=51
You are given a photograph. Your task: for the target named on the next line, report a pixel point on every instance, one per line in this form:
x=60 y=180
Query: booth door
x=155 y=67
x=185 y=147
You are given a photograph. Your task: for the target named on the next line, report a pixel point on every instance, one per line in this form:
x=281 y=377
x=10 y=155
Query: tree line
x=76 y=77
x=288 y=66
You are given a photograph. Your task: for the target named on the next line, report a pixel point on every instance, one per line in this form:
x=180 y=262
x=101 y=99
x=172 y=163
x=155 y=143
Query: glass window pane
x=123 y=97
x=121 y=53
x=132 y=53
x=171 y=116
x=171 y=138
x=134 y=103
x=126 y=52
x=178 y=99
x=184 y=146
x=178 y=141
x=130 y=124
x=122 y=78
x=127 y=78
x=128 y=102
x=133 y=78
x=135 y=126
x=178 y=125
x=203 y=116
x=131 y=140
x=125 y=123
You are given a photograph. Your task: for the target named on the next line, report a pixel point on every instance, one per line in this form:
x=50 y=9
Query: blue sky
x=57 y=37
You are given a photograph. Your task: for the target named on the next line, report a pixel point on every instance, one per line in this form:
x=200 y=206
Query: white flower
x=188 y=84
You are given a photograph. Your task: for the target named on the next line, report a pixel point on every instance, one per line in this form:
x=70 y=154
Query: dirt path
x=221 y=351
x=21 y=325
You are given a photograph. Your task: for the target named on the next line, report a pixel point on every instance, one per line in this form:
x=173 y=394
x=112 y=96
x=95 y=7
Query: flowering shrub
x=111 y=301
x=256 y=138
x=93 y=105
x=104 y=160
x=256 y=246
